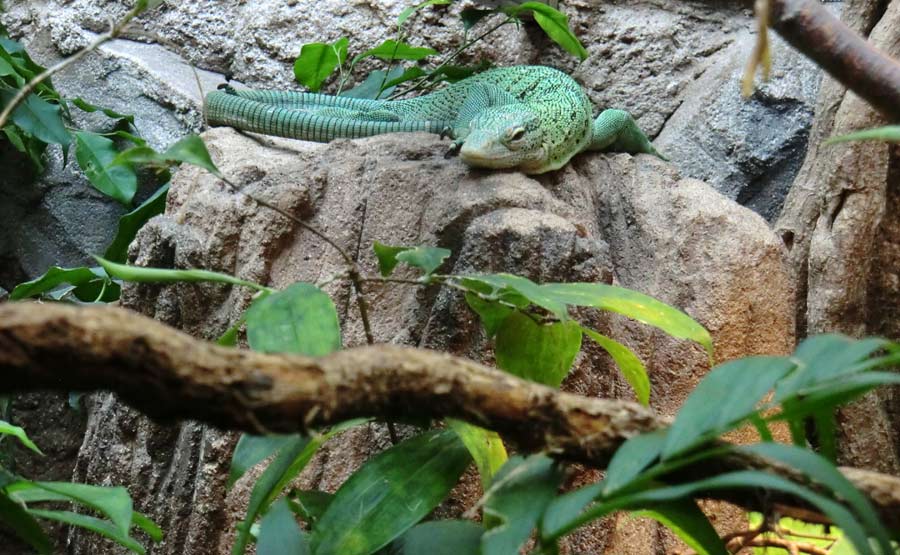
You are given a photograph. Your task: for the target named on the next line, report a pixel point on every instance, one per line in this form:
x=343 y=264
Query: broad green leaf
x=689 y=523
x=23 y=525
x=251 y=450
x=279 y=533
x=301 y=319
x=310 y=505
x=637 y=306
x=316 y=63
x=833 y=393
x=391 y=492
x=629 y=364
x=19 y=433
x=340 y=48
x=290 y=461
x=53 y=278
x=471 y=16
x=91 y=108
x=566 y=508
x=727 y=396
x=410 y=73
x=427 y=259
x=130 y=223
x=38 y=117
x=95 y=153
x=631 y=459
x=521 y=491
x=823 y=472
x=485 y=446
x=387 y=257
x=99 y=526
x=492 y=313
x=373 y=87
x=542 y=353
x=404 y=15
x=113 y=502
x=536 y=294
x=555 y=24
x=824 y=357
x=189 y=150
x=889 y=133
x=391 y=50
x=440 y=537
x=139 y=274
x=153 y=531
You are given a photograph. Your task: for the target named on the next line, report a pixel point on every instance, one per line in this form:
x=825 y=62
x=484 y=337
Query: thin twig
x=114 y=31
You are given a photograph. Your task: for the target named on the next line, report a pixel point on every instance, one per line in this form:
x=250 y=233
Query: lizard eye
x=517 y=133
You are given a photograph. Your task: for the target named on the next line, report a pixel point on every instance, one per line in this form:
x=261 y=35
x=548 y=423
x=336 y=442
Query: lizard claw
x=453 y=150
x=227 y=88
x=447 y=131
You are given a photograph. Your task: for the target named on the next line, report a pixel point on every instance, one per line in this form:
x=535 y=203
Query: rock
x=751 y=149
x=618 y=219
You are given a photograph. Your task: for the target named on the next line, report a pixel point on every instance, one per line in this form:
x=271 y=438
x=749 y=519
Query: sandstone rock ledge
x=618 y=219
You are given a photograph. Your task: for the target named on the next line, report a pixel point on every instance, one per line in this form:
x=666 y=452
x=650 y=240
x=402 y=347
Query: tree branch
x=810 y=28
x=170 y=375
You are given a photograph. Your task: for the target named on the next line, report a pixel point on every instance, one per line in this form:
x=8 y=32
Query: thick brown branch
x=170 y=375
x=813 y=30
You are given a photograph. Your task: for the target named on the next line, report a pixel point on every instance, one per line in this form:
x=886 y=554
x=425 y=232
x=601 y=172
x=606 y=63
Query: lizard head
x=504 y=137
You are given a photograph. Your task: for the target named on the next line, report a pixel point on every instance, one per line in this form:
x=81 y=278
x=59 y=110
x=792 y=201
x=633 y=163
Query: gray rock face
x=615 y=219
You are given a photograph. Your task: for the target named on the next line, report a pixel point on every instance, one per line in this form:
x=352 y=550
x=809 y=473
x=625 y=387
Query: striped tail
x=294 y=115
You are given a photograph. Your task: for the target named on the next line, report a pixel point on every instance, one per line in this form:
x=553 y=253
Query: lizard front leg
x=616 y=131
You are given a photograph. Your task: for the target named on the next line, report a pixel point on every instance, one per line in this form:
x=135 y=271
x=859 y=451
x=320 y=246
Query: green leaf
x=408 y=74
x=502 y=285
x=823 y=472
x=310 y=505
x=630 y=365
x=38 y=117
x=251 y=450
x=99 y=526
x=372 y=88
x=91 y=108
x=301 y=319
x=390 y=493
x=521 y=491
x=555 y=24
x=427 y=259
x=492 y=313
x=637 y=306
x=471 y=16
x=442 y=537
x=279 y=533
x=889 y=133
x=391 y=50
x=290 y=461
x=825 y=357
x=631 y=459
x=340 y=47
x=485 y=446
x=95 y=153
x=113 y=502
x=19 y=433
x=153 y=531
x=404 y=15
x=542 y=353
x=189 y=150
x=689 y=523
x=139 y=274
x=316 y=63
x=726 y=397
x=130 y=223
x=566 y=508
x=23 y=525
x=53 y=278
x=835 y=392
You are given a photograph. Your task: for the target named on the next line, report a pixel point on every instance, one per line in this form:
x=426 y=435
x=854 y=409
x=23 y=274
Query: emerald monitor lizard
x=532 y=118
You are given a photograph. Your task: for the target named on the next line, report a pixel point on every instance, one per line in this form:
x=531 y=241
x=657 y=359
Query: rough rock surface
x=618 y=219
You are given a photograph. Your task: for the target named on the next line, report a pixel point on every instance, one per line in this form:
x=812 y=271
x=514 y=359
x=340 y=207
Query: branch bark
x=813 y=30
x=170 y=375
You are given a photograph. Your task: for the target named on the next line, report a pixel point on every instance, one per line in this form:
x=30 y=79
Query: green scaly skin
x=532 y=118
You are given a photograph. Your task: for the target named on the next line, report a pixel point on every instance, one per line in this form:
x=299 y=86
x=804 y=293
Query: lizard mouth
x=478 y=158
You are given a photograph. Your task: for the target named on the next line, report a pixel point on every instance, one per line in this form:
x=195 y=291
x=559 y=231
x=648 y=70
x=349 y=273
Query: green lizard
x=532 y=118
